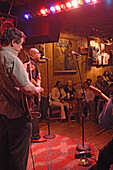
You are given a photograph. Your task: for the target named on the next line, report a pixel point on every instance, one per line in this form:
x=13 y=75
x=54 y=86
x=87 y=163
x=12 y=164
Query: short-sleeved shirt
x=14 y=77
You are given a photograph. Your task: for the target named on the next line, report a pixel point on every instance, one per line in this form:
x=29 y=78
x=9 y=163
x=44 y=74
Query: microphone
x=74 y=53
x=43 y=57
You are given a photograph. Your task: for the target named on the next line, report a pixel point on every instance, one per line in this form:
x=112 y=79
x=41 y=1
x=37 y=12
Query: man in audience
x=89 y=80
x=89 y=102
x=99 y=100
x=98 y=82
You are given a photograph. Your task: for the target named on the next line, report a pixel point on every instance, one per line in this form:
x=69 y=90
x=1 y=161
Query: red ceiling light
x=63 y=7
x=47 y=11
x=74 y=3
x=94 y=1
x=43 y=12
x=81 y=2
x=57 y=7
x=68 y=5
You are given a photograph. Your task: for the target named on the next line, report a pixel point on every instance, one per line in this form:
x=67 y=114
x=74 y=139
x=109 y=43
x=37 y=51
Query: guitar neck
x=104 y=96
x=98 y=92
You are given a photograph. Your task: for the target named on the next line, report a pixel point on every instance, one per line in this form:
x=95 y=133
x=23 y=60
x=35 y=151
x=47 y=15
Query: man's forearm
x=30 y=89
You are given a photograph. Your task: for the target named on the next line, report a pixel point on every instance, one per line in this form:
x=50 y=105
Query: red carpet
x=58 y=154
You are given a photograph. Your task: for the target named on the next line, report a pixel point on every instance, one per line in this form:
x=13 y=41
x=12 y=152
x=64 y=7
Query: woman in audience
x=57 y=98
x=70 y=91
x=106 y=76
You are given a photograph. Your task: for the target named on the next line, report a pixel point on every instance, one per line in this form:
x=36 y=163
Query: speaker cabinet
x=41 y=31
x=7 y=21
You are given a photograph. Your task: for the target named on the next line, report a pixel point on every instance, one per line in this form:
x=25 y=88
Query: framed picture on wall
x=63 y=60
x=41 y=48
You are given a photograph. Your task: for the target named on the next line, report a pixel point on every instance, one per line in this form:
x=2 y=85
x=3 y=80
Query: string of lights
x=56 y=8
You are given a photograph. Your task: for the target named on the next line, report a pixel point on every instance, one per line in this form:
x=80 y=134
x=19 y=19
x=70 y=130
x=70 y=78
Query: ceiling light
x=57 y=7
x=74 y=3
x=52 y=9
x=27 y=16
x=68 y=4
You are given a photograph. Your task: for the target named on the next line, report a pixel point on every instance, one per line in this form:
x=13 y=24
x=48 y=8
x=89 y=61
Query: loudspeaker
x=41 y=31
x=7 y=21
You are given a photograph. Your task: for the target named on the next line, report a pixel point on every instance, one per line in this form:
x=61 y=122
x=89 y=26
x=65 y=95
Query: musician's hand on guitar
x=32 y=67
x=39 y=90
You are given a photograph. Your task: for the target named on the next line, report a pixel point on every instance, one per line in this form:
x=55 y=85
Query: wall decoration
x=63 y=60
x=97 y=53
x=41 y=48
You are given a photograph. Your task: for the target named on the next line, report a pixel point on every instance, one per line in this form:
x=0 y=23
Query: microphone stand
x=81 y=147
x=48 y=136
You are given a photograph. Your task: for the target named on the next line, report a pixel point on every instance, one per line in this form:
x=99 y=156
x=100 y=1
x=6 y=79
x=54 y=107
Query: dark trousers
x=89 y=106
x=14 y=143
x=105 y=158
x=35 y=128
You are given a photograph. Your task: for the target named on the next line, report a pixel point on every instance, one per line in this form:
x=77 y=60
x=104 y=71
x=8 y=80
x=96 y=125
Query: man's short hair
x=86 y=83
x=12 y=34
x=89 y=80
x=99 y=76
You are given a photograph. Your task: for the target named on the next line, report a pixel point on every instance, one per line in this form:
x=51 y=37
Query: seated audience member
x=57 y=98
x=98 y=85
x=106 y=76
x=70 y=91
x=89 y=102
x=111 y=76
x=105 y=86
x=89 y=81
x=111 y=90
x=98 y=82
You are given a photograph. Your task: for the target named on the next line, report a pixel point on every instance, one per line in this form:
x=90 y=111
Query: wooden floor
x=92 y=131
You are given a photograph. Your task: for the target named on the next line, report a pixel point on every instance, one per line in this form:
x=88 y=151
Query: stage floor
x=59 y=153
x=93 y=132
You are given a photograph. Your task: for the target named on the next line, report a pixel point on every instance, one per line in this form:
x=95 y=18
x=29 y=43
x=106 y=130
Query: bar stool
x=55 y=112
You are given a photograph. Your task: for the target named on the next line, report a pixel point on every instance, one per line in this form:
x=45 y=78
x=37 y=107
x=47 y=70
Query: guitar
x=28 y=101
x=98 y=92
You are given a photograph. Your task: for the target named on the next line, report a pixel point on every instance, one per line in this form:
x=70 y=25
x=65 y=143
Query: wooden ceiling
x=87 y=20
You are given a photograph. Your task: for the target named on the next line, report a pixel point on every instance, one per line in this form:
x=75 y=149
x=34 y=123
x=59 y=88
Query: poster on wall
x=64 y=60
